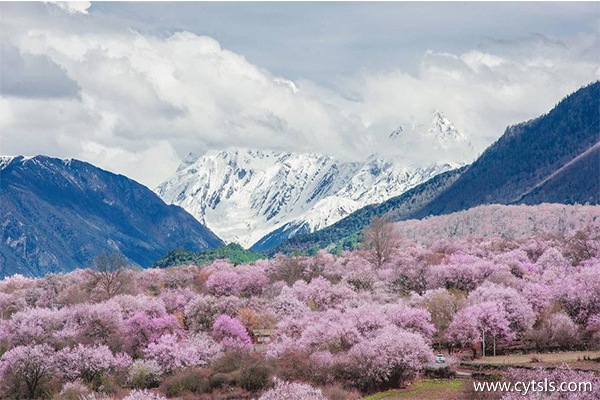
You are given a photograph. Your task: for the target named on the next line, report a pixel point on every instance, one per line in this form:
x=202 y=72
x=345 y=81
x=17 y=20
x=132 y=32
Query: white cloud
x=148 y=165
x=72 y=7
x=480 y=92
x=144 y=100
x=184 y=89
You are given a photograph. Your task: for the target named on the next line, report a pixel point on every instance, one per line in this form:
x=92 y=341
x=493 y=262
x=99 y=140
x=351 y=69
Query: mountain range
x=57 y=215
x=260 y=198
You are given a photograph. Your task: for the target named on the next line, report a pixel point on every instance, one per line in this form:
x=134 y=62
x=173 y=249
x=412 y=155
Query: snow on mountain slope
x=376 y=181
x=243 y=195
x=443 y=130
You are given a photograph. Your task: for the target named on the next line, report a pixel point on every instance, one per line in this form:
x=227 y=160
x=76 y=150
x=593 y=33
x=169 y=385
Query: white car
x=440 y=358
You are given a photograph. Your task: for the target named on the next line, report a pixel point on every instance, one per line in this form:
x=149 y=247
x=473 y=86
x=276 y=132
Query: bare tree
x=109 y=273
x=584 y=244
x=379 y=240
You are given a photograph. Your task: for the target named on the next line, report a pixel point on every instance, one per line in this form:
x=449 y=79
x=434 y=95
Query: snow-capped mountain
x=443 y=130
x=434 y=141
x=439 y=131
x=244 y=195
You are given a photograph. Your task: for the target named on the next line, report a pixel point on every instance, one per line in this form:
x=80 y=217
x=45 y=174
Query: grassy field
x=431 y=389
x=426 y=389
x=546 y=359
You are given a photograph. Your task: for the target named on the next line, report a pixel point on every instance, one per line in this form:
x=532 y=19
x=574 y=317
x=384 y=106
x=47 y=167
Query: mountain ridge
x=248 y=195
x=245 y=194
x=526 y=154
x=58 y=214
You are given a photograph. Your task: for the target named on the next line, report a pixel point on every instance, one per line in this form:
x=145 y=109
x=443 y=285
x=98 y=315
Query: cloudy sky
x=134 y=87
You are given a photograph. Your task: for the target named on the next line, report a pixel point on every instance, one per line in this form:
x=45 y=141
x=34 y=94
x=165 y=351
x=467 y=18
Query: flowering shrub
x=230 y=332
x=172 y=352
x=230 y=281
x=131 y=305
x=143 y=395
x=518 y=310
x=74 y=391
x=92 y=323
x=389 y=359
x=10 y=304
x=224 y=283
x=176 y=299
x=89 y=362
x=144 y=374
x=201 y=312
x=292 y=391
x=287 y=304
x=142 y=329
x=33 y=326
x=479 y=321
x=412 y=319
x=578 y=293
x=320 y=294
x=24 y=370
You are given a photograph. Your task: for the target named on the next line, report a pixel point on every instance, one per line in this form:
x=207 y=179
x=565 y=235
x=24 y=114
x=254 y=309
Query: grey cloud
x=26 y=75
x=325 y=41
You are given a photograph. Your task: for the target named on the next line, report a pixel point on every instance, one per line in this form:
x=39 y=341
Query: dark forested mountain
x=548 y=159
x=57 y=215
x=554 y=158
x=576 y=182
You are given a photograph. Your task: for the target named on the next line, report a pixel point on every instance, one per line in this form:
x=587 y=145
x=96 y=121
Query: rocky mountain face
x=57 y=215
x=249 y=196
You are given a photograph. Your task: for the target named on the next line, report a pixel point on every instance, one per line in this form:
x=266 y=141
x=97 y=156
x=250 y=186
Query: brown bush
x=295 y=366
x=337 y=392
x=249 y=371
x=190 y=380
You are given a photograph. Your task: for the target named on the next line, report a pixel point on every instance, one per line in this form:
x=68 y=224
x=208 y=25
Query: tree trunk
x=483 y=343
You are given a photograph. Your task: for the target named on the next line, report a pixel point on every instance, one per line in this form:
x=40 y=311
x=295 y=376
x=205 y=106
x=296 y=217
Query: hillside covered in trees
x=234 y=253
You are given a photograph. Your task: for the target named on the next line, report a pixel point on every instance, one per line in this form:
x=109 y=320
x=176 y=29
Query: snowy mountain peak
x=438 y=128
x=443 y=129
x=187 y=161
x=245 y=194
x=5 y=160
x=429 y=141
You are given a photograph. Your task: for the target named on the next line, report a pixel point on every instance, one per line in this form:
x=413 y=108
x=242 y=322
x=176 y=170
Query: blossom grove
x=300 y=326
